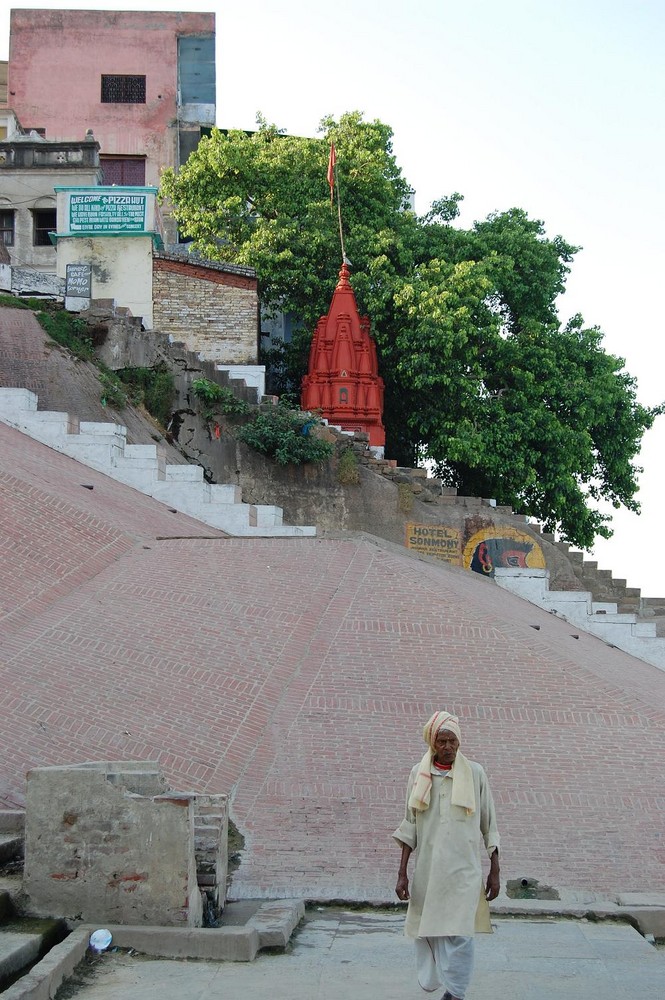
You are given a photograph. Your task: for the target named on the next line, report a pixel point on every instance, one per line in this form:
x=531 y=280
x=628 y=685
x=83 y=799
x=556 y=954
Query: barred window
x=7 y=227
x=44 y=222
x=123 y=89
x=123 y=170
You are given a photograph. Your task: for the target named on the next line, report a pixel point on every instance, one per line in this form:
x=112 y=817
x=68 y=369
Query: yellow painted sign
x=434 y=540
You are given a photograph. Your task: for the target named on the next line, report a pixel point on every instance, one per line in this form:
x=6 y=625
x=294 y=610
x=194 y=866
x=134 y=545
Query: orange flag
x=332 y=160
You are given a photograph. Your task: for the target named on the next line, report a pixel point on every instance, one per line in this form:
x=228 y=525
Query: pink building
x=144 y=82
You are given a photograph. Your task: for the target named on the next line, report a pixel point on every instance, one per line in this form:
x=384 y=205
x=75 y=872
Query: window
x=123 y=90
x=7 y=227
x=44 y=222
x=129 y=170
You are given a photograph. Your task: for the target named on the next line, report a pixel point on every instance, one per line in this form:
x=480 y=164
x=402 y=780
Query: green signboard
x=107 y=213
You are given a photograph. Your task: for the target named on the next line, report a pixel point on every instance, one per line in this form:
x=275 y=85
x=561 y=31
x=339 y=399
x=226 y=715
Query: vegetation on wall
x=348 y=468
x=153 y=388
x=285 y=435
x=66 y=329
x=482 y=377
x=217 y=400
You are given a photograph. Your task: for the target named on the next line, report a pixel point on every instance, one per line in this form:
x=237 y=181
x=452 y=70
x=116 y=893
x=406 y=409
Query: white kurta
x=447 y=892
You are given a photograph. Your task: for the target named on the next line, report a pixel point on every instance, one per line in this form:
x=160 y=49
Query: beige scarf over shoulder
x=463 y=793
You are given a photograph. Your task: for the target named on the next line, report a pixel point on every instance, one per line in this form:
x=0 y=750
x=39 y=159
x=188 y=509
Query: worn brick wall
x=214 y=312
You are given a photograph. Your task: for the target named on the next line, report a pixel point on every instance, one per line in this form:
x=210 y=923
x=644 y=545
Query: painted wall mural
x=503 y=548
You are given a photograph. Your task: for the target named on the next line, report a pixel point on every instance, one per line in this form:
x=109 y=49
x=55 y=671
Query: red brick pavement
x=298 y=673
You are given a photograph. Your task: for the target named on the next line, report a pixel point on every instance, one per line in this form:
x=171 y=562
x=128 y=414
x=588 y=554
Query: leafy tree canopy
x=481 y=376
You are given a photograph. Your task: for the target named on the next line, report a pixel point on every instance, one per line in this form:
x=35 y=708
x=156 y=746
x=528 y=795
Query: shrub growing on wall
x=285 y=435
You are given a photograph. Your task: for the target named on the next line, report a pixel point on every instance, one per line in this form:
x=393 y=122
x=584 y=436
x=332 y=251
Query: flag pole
x=339 y=216
x=334 y=183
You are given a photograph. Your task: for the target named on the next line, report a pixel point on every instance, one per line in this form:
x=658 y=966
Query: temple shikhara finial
x=342 y=380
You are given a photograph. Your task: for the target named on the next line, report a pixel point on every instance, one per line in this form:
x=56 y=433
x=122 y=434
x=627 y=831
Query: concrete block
x=188 y=497
x=642 y=899
x=44 y=979
x=102 y=427
x=12 y=820
x=282 y=531
x=227 y=944
x=230 y=517
x=267 y=515
x=16 y=951
x=11 y=846
x=225 y=493
x=649 y=919
x=275 y=921
x=141 y=452
x=47 y=424
x=13 y=400
x=184 y=474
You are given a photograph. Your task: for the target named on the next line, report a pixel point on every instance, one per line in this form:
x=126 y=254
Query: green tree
x=481 y=376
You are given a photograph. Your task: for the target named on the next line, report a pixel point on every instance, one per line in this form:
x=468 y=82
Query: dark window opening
x=7 y=228
x=123 y=89
x=44 y=222
x=123 y=171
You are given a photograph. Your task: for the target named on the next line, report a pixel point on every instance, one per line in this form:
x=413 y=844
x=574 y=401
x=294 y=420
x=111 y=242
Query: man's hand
x=493 y=884
x=402 y=887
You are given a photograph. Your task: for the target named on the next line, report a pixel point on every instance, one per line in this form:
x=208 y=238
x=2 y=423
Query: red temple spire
x=343 y=381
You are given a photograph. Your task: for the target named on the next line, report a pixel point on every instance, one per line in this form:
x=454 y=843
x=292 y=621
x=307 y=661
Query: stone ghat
x=600 y=582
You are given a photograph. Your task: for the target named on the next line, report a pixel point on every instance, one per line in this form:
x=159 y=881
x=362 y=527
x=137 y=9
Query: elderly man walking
x=448 y=807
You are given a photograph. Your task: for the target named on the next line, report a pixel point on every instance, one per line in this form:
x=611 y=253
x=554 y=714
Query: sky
x=555 y=108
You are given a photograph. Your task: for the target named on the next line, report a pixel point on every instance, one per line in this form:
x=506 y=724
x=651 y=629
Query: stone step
x=103 y=446
x=12 y=400
x=12 y=820
x=23 y=941
x=11 y=846
x=184 y=474
x=16 y=952
x=283 y=531
x=102 y=427
x=639 y=637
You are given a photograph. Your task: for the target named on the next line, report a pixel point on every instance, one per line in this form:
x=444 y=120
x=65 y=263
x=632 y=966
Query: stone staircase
x=602 y=585
x=23 y=941
x=103 y=446
x=211 y=825
x=602 y=618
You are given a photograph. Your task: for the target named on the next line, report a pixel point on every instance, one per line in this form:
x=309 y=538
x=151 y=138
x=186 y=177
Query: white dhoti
x=445 y=962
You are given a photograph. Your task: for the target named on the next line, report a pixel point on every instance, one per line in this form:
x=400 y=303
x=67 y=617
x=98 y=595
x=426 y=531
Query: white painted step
x=103 y=446
x=184 y=473
x=13 y=400
x=639 y=638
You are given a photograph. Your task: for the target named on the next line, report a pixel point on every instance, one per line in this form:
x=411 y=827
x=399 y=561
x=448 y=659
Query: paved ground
x=297 y=674
x=341 y=955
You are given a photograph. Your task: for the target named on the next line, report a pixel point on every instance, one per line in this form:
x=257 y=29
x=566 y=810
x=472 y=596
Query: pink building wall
x=56 y=61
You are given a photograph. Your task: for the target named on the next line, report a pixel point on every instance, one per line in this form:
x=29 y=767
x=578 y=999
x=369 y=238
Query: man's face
x=446 y=746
